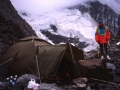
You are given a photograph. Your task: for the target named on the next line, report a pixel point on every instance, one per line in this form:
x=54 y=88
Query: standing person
x=102 y=37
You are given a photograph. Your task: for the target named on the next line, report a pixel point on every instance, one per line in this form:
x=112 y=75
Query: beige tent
x=32 y=55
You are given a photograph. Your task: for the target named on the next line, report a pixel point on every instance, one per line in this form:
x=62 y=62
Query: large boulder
x=23 y=81
x=94 y=68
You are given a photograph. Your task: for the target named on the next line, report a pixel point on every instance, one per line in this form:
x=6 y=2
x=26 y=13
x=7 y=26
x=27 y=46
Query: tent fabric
x=77 y=53
x=49 y=59
x=26 y=51
x=23 y=53
x=37 y=41
x=3 y=72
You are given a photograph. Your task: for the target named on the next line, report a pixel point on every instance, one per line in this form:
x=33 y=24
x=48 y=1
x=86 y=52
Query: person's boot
x=108 y=57
x=102 y=57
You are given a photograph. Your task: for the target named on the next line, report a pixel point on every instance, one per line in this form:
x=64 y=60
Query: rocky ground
x=89 y=83
x=113 y=65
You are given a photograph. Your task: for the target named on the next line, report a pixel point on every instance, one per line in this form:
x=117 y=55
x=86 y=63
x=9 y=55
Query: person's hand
x=98 y=42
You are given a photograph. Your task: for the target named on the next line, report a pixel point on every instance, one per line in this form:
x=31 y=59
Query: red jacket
x=102 y=35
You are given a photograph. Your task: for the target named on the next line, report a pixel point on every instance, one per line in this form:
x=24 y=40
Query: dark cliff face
x=12 y=26
x=97 y=11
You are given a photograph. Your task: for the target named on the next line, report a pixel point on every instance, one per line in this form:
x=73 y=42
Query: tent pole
x=6 y=61
x=37 y=62
x=38 y=69
x=74 y=62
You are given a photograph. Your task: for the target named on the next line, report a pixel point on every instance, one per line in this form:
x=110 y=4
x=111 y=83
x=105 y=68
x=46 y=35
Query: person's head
x=100 y=22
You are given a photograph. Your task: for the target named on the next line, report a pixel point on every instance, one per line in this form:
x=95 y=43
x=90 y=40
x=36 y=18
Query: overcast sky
x=40 y=6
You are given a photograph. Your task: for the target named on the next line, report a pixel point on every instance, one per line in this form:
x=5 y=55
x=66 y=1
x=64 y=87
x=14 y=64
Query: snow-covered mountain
x=77 y=22
x=69 y=23
x=110 y=15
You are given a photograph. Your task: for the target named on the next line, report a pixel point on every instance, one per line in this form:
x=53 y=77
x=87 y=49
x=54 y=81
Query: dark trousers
x=103 y=47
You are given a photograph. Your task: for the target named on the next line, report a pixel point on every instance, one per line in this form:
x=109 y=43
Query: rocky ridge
x=12 y=26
